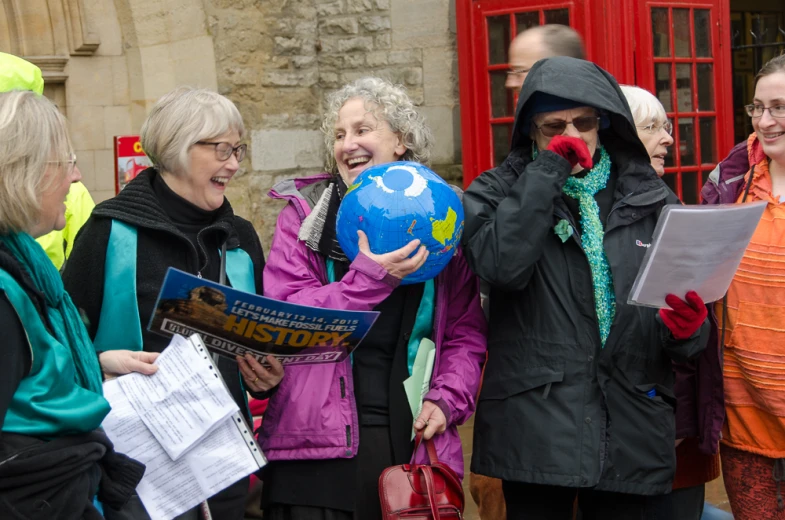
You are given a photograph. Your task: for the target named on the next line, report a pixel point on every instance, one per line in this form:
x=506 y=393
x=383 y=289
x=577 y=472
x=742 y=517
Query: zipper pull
x=198 y=274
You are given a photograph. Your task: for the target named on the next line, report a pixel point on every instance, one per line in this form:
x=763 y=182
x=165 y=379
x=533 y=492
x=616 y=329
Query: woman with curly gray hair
x=329 y=431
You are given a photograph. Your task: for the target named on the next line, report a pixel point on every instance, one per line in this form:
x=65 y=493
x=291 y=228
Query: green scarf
x=583 y=190
x=64 y=318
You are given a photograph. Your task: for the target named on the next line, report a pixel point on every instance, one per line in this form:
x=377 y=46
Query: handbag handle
x=429 y=448
x=427 y=474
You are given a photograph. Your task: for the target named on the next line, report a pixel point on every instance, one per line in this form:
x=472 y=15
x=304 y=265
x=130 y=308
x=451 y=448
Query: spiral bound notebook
x=223 y=453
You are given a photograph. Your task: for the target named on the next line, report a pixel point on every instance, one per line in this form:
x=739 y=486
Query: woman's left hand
x=121 y=362
x=258 y=378
x=432 y=419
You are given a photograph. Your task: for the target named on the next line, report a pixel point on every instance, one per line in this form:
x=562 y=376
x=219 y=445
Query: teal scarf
x=583 y=190
x=63 y=316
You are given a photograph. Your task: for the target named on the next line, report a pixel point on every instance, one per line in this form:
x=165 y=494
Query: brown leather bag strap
x=427 y=474
x=430 y=448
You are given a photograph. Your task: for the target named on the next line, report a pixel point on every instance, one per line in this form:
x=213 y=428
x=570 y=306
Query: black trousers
x=538 y=502
x=374 y=455
x=686 y=503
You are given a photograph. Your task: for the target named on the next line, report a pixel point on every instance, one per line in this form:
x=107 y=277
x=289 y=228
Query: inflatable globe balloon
x=398 y=202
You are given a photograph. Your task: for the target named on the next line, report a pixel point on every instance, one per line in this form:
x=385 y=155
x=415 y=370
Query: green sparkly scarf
x=583 y=190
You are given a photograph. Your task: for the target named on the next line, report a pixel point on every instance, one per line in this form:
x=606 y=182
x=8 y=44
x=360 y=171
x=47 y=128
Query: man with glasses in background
x=536 y=43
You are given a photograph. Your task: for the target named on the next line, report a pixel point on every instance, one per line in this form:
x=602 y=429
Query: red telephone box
x=677 y=49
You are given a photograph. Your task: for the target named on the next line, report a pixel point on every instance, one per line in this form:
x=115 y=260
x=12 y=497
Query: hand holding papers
x=183 y=401
x=695 y=248
x=224 y=454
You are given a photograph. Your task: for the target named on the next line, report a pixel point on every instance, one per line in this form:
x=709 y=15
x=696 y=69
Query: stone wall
x=278 y=59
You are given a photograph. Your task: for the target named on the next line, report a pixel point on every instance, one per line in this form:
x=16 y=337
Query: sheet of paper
x=695 y=248
x=418 y=384
x=183 y=401
x=170 y=488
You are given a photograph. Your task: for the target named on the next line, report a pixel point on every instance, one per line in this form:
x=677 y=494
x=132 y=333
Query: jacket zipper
x=348 y=436
x=343 y=388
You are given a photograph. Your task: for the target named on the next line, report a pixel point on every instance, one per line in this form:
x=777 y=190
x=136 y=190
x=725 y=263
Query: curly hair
x=393 y=104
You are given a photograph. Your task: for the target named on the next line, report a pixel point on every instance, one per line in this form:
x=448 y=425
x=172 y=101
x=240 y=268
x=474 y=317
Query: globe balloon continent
x=398 y=202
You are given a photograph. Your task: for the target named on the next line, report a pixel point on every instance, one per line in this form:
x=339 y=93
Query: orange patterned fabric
x=750 y=484
x=754 y=367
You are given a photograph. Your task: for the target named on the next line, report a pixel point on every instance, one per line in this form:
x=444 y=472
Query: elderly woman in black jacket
x=173 y=215
x=577 y=398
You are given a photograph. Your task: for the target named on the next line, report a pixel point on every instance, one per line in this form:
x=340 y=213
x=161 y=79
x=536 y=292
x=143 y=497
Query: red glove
x=684 y=318
x=571 y=148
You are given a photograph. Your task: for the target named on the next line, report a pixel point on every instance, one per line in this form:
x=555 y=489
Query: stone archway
x=105 y=62
x=166 y=44
x=47 y=33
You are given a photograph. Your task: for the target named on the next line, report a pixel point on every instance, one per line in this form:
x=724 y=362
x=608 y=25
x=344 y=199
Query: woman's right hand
x=397 y=263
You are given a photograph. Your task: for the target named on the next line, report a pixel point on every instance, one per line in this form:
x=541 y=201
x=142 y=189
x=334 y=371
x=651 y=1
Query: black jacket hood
x=583 y=82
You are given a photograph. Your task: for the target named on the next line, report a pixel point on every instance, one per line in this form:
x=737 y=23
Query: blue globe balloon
x=395 y=203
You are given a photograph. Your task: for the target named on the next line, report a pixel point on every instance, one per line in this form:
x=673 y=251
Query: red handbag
x=421 y=491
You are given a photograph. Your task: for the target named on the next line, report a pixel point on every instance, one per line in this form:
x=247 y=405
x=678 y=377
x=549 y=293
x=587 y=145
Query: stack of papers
x=695 y=248
x=182 y=423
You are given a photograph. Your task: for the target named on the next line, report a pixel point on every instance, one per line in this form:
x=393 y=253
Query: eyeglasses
x=654 y=128
x=581 y=124
x=756 y=111
x=70 y=163
x=225 y=150
x=518 y=72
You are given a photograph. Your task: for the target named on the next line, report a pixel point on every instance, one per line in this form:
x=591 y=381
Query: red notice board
x=129 y=158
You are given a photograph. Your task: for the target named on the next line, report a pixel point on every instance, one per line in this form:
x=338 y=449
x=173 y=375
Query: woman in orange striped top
x=753 y=328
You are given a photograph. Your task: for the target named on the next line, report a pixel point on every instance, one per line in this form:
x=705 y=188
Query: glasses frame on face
x=518 y=72
x=70 y=162
x=223 y=153
x=654 y=128
x=559 y=127
x=756 y=111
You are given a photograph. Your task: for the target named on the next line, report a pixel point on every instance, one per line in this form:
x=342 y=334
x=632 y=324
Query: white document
x=183 y=401
x=171 y=487
x=695 y=248
x=419 y=383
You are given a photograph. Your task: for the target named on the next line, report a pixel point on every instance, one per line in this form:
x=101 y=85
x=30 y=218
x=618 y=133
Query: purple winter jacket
x=699 y=386
x=313 y=414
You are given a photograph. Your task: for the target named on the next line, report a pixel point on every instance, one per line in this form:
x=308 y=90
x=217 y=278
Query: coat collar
x=138 y=206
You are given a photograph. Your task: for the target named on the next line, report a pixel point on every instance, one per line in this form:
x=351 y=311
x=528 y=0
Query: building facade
x=106 y=62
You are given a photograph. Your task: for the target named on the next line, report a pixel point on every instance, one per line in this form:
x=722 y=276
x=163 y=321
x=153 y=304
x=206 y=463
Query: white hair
x=32 y=134
x=646 y=109
x=180 y=119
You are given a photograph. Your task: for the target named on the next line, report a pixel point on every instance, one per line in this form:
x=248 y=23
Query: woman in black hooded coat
x=577 y=398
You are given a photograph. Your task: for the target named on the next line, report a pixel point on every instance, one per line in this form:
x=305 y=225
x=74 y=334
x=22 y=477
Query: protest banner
x=233 y=322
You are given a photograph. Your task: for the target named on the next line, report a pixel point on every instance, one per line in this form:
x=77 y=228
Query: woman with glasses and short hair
x=577 y=399
x=748 y=337
x=696 y=464
x=174 y=214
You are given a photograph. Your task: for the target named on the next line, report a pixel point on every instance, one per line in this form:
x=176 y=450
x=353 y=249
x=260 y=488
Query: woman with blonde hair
x=54 y=459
